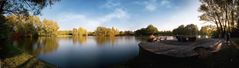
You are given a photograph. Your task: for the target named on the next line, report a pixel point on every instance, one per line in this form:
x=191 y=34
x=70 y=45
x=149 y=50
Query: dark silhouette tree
x=223 y=13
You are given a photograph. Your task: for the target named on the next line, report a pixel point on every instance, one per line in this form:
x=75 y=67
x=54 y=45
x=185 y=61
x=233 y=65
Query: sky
x=123 y=14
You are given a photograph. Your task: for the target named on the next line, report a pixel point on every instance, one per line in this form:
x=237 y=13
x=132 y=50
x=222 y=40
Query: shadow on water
x=36 y=46
x=101 y=40
x=79 y=39
x=228 y=57
x=117 y=52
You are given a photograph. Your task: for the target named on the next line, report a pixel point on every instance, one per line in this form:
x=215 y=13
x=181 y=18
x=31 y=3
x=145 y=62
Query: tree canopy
x=190 y=29
x=150 y=29
x=49 y=27
x=103 y=31
x=223 y=13
x=24 y=7
x=79 y=32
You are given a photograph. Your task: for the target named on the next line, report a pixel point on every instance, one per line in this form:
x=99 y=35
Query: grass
x=15 y=61
x=14 y=57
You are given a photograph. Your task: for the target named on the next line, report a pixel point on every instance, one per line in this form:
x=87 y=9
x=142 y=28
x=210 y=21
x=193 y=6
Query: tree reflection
x=101 y=40
x=79 y=39
x=35 y=46
x=26 y=44
x=47 y=44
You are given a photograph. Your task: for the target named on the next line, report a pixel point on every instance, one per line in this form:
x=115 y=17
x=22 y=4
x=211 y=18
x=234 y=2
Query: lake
x=81 y=51
x=119 y=52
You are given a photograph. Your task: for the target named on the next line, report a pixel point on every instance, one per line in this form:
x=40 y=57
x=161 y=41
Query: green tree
x=190 y=29
x=180 y=30
x=151 y=29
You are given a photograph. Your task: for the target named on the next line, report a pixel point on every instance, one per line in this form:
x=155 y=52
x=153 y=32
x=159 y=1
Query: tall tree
x=223 y=13
x=82 y=31
x=151 y=29
x=189 y=29
x=49 y=27
x=103 y=31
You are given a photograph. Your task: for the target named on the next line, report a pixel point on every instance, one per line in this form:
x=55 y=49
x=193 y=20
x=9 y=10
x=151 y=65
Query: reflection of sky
x=90 y=54
x=123 y=14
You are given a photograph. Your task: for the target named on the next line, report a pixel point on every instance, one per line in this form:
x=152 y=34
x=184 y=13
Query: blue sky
x=123 y=14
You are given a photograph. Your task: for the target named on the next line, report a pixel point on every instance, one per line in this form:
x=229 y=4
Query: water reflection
x=79 y=39
x=47 y=44
x=38 y=45
x=101 y=40
x=69 y=51
x=26 y=44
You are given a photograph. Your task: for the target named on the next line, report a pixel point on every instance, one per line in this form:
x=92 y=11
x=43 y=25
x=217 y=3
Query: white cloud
x=68 y=21
x=166 y=3
x=111 y=4
x=153 y=5
x=116 y=14
x=189 y=15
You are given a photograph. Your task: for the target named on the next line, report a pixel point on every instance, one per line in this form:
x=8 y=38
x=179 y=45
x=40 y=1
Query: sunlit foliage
x=108 y=32
x=223 y=13
x=207 y=30
x=49 y=28
x=79 y=32
x=150 y=29
x=23 y=25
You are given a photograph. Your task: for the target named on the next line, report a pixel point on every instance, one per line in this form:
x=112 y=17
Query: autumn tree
x=49 y=28
x=82 y=32
x=109 y=32
x=207 y=30
x=23 y=25
x=19 y=7
x=74 y=32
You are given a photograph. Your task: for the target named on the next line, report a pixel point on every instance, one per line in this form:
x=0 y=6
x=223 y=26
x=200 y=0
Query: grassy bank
x=15 y=57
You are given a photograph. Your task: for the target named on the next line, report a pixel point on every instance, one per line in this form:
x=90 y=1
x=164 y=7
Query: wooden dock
x=182 y=49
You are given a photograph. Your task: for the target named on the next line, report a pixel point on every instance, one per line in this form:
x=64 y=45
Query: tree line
x=192 y=30
x=30 y=26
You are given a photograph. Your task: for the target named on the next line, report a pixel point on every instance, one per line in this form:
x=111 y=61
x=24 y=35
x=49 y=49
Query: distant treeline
x=110 y=32
x=32 y=26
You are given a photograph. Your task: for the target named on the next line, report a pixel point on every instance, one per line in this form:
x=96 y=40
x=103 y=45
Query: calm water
x=119 y=52
x=81 y=51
